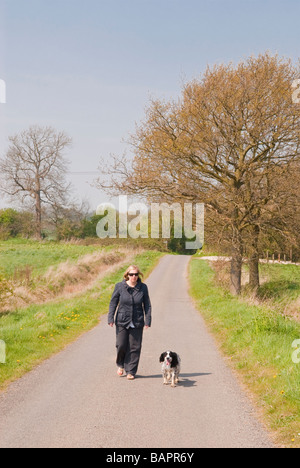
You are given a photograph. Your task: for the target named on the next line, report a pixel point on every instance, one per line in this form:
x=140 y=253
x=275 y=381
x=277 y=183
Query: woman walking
x=130 y=310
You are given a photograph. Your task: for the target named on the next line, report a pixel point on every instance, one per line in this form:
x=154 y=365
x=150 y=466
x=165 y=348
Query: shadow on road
x=185 y=380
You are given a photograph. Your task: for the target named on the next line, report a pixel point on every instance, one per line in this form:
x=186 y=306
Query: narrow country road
x=76 y=399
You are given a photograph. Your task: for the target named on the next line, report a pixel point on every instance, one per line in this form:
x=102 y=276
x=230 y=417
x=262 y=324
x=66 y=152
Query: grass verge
x=37 y=332
x=258 y=342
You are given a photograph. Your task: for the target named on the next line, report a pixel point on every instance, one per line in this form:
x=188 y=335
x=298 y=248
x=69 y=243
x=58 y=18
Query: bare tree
x=34 y=168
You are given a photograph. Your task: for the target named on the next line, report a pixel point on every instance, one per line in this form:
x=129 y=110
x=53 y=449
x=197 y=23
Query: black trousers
x=129 y=346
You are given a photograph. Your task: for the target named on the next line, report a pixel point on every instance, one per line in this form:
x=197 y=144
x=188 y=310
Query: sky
x=90 y=67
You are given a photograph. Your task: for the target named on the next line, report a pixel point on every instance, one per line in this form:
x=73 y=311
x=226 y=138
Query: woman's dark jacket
x=131 y=304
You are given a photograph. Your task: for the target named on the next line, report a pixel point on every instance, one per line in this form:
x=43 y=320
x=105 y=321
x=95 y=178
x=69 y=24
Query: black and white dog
x=170 y=367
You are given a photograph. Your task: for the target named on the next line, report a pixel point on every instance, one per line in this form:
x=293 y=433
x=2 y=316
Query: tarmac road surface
x=75 y=399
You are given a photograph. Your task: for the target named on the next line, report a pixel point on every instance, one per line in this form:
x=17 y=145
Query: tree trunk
x=254 y=271
x=38 y=218
x=254 y=260
x=236 y=264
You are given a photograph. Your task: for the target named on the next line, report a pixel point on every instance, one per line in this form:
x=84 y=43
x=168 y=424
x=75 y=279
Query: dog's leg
x=173 y=384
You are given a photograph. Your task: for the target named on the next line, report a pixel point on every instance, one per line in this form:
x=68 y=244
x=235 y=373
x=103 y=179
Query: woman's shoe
x=120 y=372
x=130 y=377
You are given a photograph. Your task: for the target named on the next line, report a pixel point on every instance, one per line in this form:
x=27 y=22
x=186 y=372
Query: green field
x=257 y=340
x=39 y=256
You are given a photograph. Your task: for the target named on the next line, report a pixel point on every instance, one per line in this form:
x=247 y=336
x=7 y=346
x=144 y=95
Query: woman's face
x=133 y=277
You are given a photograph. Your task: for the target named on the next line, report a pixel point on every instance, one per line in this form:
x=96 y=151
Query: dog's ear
x=174 y=359
x=162 y=357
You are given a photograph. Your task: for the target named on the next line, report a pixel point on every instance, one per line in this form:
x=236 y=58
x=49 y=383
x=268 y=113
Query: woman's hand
x=111 y=325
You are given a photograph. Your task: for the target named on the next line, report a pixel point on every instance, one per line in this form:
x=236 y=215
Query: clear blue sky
x=88 y=67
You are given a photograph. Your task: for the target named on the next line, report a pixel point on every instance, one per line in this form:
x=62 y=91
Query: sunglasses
x=133 y=274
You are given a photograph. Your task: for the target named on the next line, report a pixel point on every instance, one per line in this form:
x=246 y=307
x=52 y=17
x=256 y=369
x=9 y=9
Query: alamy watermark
x=296 y=354
x=2 y=92
x=159 y=220
x=2 y=352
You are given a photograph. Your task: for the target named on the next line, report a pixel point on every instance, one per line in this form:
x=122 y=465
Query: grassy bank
x=258 y=341
x=36 y=332
x=282 y=287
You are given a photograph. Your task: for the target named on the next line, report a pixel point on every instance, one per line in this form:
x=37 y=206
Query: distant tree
x=34 y=167
x=89 y=226
x=10 y=223
x=68 y=222
x=14 y=223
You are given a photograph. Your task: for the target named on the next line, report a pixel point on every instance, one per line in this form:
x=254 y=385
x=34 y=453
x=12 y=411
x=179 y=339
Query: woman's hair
x=132 y=267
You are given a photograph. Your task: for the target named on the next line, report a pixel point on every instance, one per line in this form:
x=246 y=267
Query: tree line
x=21 y=223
